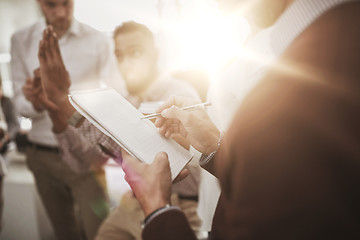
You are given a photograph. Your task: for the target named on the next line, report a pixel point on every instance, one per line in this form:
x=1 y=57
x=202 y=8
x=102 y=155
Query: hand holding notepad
x=117 y=118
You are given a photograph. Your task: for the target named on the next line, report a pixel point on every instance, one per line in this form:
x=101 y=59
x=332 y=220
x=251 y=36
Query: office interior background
x=190 y=34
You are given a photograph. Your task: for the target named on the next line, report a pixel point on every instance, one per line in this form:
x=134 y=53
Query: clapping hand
x=55 y=80
x=54 y=77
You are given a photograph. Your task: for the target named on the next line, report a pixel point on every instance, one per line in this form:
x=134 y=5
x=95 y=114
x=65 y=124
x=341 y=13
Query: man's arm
x=171 y=224
x=80 y=146
x=79 y=152
x=196 y=126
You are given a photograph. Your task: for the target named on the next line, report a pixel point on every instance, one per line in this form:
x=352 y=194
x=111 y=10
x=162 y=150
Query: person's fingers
x=51 y=50
x=41 y=53
x=159 y=122
x=182 y=175
x=29 y=81
x=175 y=129
x=174 y=112
x=54 y=47
x=130 y=164
x=53 y=44
x=28 y=87
x=168 y=103
x=46 y=47
x=168 y=133
x=36 y=90
x=163 y=129
x=37 y=73
x=161 y=161
x=37 y=78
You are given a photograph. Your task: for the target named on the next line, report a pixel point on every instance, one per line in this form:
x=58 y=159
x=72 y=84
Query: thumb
x=173 y=112
x=162 y=157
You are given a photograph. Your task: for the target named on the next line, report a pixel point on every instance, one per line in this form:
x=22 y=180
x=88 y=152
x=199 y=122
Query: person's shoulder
x=87 y=30
x=26 y=31
x=335 y=27
x=329 y=46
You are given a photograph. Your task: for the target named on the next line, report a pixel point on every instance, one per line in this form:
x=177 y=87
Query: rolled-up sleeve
x=82 y=148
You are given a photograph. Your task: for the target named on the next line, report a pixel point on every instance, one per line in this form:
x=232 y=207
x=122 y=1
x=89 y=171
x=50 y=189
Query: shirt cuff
x=204 y=159
x=74 y=119
x=158 y=212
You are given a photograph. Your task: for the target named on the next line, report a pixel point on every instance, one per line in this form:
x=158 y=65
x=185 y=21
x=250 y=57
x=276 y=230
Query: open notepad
x=117 y=118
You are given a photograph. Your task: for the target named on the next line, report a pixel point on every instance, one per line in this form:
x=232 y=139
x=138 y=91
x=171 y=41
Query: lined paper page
x=122 y=121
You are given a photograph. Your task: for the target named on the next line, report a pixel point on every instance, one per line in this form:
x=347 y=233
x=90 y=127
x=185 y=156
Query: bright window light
x=190 y=34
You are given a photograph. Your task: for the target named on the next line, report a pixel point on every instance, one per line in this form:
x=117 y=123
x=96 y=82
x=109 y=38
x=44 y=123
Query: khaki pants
x=124 y=222
x=63 y=192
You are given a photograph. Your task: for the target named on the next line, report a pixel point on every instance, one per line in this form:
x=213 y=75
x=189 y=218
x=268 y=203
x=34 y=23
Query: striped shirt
x=296 y=19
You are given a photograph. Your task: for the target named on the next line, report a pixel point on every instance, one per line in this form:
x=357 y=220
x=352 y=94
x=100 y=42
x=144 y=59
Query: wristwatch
x=204 y=159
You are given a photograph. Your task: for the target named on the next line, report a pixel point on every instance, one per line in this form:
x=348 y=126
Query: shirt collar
x=74 y=27
x=296 y=19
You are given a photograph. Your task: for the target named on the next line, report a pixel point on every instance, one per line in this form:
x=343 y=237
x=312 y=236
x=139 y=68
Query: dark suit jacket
x=289 y=166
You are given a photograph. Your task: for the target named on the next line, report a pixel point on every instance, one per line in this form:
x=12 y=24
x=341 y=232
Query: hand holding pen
x=195 y=125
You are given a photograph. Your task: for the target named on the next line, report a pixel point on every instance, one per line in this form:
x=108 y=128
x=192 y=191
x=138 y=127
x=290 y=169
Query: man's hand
x=34 y=93
x=151 y=184
x=55 y=78
x=194 y=125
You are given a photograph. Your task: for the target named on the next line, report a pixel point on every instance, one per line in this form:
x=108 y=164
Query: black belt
x=43 y=147
x=191 y=198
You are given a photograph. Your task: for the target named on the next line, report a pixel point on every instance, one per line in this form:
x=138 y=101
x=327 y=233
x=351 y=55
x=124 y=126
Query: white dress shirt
x=88 y=57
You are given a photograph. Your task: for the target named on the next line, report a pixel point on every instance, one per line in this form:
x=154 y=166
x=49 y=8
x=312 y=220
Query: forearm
x=60 y=116
x=78 y=152
x=207 y=161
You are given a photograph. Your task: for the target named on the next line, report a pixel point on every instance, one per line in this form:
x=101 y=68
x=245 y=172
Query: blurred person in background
x=83 y=145
x=75 y=203
x=9 y=127
x=137 y=58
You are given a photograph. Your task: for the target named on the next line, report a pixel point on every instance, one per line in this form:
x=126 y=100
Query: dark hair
x=132 y=26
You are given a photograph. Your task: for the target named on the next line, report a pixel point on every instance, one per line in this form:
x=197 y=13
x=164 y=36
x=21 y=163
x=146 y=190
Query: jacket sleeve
x=170 y=224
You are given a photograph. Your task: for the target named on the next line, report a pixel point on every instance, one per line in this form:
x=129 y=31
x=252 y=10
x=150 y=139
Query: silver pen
x=200 y=105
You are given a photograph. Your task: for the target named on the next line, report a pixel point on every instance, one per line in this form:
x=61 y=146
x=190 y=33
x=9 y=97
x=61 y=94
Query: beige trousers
x=124 y=222
x=76 y=203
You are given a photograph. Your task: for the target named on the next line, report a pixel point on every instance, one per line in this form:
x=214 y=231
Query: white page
x=117 y=118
